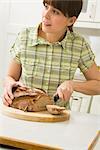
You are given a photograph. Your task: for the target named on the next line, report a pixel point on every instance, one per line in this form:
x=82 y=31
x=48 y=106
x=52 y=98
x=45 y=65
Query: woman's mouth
x=46 y=23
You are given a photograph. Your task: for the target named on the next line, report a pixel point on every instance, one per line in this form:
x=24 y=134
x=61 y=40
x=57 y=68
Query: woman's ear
x=71 y=20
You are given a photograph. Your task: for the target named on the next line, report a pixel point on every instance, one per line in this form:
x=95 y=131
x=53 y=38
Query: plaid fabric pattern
x=45 y=65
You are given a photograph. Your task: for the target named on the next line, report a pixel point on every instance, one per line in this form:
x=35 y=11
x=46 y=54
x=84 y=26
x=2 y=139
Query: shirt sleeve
x=87 y=57
x=18 y=46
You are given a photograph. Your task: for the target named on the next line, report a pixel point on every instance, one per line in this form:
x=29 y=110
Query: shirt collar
x=33 y=36
x=34 y=39
x=68 y=38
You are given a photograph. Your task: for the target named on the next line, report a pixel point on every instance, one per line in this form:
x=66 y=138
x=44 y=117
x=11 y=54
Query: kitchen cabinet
x=95 y=107
x=87 y=25
x=80 y=102
x=89 y=16
x=84 y=103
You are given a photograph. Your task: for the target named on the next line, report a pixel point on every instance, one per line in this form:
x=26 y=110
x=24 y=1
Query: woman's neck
x=52 y=38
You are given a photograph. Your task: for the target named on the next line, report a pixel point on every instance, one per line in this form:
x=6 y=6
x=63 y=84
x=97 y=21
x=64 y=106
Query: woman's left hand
x=65 y=90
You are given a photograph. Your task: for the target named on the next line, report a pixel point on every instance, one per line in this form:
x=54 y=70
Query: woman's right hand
x=7 y=94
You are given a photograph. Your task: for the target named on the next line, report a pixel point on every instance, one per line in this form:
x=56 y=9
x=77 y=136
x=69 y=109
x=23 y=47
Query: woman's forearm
x=91 y=87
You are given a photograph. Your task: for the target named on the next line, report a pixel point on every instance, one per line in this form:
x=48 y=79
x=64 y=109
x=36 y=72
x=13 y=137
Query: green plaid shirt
x=45 y=65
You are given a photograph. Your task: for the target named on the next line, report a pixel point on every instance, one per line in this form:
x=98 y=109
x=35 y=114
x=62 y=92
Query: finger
x=5 y=102
x=38 y=90
x=7 y=98
x=9 y=94
x=20 y=84
x=60 y=93
x=63 y=94
x=67 y=94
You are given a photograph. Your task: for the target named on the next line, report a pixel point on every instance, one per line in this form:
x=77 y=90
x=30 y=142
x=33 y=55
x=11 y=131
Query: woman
x=48 y=55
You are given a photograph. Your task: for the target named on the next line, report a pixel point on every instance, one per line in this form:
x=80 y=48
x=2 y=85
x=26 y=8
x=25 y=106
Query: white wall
x=4 y=10
x=15 y=15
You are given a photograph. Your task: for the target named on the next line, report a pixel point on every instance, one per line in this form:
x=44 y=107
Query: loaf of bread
x=32 y=100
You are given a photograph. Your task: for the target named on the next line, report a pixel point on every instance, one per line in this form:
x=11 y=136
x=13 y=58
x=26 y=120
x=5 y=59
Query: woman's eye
x=53 y=10
x=56 y=12
x=46 y=6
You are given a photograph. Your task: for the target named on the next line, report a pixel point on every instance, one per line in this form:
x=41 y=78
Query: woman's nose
x=47 y=14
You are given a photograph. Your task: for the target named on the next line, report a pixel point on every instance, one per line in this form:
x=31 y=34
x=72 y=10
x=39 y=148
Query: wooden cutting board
x=43 y=116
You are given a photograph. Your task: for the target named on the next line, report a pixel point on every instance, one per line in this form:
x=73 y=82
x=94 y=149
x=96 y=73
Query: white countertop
x=75 y=134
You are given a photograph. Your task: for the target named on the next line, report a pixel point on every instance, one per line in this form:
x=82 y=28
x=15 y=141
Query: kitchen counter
x=74 y=134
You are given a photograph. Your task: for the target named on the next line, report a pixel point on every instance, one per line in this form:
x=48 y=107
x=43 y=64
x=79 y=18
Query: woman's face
x=53 y=20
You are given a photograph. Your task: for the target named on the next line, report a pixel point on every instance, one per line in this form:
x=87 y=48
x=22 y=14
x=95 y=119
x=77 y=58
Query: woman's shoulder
x=78 y=36
x=26 y=31
x=76 y=39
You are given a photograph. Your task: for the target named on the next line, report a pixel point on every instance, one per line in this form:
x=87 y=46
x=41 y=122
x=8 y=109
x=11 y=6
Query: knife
x=56 y=98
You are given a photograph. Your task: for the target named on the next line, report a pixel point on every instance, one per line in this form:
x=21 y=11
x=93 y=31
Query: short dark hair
x=69 y=8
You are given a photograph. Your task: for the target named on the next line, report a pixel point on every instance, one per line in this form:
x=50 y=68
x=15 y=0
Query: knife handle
x=56 y=97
